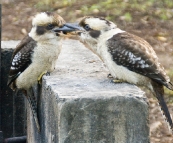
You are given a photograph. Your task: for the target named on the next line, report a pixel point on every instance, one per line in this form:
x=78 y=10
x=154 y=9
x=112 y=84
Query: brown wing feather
x=137 y=55
x=21 y=59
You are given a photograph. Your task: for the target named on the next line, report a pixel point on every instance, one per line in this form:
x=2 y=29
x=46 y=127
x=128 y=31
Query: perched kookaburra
x=129 y=58
x=36 y=54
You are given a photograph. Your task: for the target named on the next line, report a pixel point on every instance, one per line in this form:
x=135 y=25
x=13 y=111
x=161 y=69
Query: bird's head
x=93 y=28
x=43 y=25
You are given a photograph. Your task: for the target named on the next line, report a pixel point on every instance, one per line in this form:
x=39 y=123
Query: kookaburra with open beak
x=129 y=58
x=36 y=54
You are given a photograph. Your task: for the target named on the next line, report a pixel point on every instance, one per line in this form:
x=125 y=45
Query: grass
x=111 y=8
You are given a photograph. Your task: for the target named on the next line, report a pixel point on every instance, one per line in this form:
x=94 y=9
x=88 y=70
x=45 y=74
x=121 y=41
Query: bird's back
x=137 y=55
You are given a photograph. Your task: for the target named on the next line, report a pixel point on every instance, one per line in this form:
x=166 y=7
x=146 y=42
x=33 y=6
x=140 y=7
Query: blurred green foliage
x=161 y=9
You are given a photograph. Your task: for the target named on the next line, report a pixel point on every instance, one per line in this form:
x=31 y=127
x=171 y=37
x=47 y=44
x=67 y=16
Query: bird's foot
x=40 y=76
x=114 y=80
x=117 y=81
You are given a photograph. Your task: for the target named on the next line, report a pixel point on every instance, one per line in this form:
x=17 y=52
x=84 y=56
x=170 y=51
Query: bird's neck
x=99 y=46
x=52 y=41
x=109 y=34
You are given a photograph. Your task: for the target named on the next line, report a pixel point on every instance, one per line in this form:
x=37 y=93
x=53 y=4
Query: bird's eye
x=50 y=26
x=87 y=27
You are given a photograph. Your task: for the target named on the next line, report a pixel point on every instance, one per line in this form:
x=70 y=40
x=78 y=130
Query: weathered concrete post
x=79 y=104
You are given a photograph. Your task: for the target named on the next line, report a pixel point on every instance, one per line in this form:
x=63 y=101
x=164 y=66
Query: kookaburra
x=36 y=54
x=129 y=58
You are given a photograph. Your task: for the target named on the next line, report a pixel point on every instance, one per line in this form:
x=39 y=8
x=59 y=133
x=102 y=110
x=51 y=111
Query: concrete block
x=13 y=114
x=79 y=104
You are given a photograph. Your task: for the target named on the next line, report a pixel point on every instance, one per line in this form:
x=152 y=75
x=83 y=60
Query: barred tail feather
x=165 y=112
x=159 y=92
x=170 y=86
x=33 y=105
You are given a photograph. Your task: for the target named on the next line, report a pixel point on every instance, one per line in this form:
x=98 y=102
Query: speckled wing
x=21 y=59
x=137 y=55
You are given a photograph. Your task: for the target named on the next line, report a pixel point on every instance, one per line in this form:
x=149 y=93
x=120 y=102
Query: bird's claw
x=109 y=76
x=47 y=73
x=114 y=80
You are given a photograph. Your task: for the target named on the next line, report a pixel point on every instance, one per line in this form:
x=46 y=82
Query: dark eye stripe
x=40 y=30
x=95 y=33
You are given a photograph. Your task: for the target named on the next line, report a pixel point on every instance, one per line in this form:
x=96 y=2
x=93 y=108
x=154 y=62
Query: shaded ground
x=16 y=22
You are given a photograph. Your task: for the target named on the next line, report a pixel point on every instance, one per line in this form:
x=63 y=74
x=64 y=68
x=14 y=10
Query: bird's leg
x=33 y=105
x=40 y=76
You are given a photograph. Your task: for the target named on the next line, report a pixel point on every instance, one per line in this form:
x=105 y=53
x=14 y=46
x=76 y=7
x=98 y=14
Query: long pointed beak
x=68 y=27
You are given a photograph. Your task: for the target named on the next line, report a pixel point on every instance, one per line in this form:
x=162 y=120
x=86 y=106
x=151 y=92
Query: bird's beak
x=68 y=27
